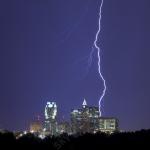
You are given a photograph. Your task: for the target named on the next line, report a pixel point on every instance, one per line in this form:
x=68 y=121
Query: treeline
x=75 y=142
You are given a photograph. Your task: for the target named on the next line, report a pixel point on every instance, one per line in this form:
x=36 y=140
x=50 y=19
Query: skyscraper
x=76 y=120
x=50 y=118
x=86 y=119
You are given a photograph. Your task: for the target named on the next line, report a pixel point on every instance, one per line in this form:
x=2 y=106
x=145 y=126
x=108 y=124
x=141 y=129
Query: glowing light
x=32 y=131
x=50 y=110
x=99 y=58
x=84 y=103
x=41 y=136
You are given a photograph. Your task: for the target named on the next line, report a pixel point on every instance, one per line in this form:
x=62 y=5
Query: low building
x=35 y=127
x=108 y=124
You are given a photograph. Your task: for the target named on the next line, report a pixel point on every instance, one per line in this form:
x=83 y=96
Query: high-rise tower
x=50 y=118
x=85 y=119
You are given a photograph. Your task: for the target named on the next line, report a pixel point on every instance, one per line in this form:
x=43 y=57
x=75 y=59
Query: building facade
x=108 y=125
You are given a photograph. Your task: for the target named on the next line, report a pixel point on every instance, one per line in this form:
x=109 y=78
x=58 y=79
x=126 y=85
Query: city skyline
x=85 y=119
x=45 y=47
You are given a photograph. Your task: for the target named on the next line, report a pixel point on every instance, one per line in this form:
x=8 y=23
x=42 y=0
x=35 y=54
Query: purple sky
x=44 y=45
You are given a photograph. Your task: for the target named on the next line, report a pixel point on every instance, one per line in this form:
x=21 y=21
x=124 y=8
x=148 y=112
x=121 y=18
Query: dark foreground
x=84 y=141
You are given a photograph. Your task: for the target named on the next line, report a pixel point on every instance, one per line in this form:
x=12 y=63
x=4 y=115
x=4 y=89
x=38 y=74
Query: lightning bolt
x=90 y=58
x=99 y=58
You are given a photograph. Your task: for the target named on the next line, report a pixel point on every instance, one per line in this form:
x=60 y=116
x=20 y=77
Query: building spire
x=84 y=103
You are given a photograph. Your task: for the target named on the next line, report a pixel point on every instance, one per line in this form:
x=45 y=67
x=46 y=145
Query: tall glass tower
x=50 y=118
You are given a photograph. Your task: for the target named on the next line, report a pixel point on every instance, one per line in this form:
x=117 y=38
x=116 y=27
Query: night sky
x=44 y=50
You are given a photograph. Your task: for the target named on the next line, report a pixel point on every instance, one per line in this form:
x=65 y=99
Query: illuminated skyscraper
x=87 y=119
x=76 y=118
x=50 y=118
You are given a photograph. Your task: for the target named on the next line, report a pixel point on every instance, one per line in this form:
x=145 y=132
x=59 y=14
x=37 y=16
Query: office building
x=50 y=118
